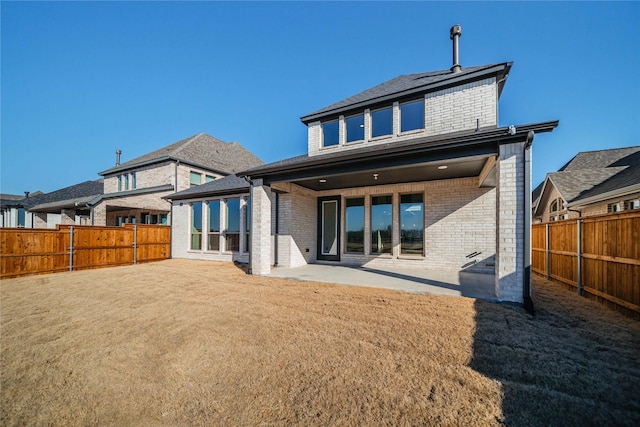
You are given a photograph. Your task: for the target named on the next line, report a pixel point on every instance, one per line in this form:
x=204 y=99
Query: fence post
x=579 y=251
x=71 y=248
x=135 y=243
x=546 y=250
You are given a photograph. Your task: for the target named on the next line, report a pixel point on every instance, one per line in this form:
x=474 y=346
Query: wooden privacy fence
x=599 y=257
x=77 y=247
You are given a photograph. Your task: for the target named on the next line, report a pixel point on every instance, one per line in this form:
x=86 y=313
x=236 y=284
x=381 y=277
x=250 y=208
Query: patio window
x=232 y=225
x=411 y=224
x=196 y=226
x=355 y=128
x=412 y=116
x=214 y=225
x=330 y=133
x=354 y=225
x=381 y=222
x=382 y=122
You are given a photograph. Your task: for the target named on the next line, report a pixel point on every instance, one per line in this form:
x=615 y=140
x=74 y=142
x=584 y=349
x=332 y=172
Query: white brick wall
x=449 y=110
x=181 y=233
x=261 y=227
x=457 y=223
x=510 y=223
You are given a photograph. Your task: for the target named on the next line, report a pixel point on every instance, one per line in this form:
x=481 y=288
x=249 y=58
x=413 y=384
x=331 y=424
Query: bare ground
x=198 y=343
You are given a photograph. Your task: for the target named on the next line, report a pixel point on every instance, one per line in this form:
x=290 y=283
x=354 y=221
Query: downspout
x=526 y=253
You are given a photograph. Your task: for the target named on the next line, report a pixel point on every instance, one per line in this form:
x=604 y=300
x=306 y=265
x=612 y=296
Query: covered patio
x=435 y=282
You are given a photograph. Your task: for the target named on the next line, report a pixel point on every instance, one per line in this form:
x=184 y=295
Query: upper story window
x=119 y=182
x=209 y=178
x=382 y=122
x=632 y=204
x=133 y=181
x=126 y=181
x=412 y=116
x=614 y=207
x=555 y=206
x=355 y=128
x=195 y=178
x=330 y=133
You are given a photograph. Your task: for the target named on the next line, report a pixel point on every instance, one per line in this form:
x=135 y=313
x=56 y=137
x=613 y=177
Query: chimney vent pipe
x=455 y=33
x=118 y=152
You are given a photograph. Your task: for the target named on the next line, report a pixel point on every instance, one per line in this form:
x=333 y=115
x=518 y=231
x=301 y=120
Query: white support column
x=260 y=228
x=510 y=218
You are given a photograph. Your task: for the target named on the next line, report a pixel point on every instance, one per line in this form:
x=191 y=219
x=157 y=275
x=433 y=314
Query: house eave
x=157 y=160
x=460 y=142
x=136 y=192
x=619 y=192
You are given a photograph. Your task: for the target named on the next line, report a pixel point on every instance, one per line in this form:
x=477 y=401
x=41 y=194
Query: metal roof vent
x=118 y=152
x=455 y=33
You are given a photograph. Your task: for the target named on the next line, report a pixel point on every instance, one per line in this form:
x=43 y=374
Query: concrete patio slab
x=452 y=283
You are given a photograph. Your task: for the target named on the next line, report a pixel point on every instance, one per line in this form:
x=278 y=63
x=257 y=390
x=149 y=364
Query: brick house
x=591 y=183
x=414 y=172
x=134 y=190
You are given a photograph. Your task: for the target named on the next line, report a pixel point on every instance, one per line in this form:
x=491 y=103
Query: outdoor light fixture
x=443 y=167
x=322 y=180
x=375 y=176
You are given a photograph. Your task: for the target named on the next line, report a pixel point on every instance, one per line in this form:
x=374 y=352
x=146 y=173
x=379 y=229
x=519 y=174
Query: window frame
x=192 y=228
x=371 y=225
x=372 y=121
x=214 y=236
x=400 y=121
x=346 y=222
x=192 y=174
x=232 y=234
x=361 y=126
x=323 y=133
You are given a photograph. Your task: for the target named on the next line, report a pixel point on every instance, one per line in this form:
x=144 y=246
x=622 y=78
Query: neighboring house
x=415 y=172
x=12 y=212
x=134 y=190
x=69 y=205
x=592 y=183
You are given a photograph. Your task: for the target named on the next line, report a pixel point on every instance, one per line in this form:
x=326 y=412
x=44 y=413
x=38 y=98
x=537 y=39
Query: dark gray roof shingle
x=226 y=185
x=594 y=173
x=201 y=150
x=405 y=84
x=82 y=191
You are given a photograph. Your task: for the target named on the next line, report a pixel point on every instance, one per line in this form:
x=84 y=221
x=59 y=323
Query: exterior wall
x=449 y=110
x=297 y=244
x=184 y=176
x=510 y=223
x=261 y=228
x=457 y=224
x=181 y=232
x=146 y=176
x=601 y=208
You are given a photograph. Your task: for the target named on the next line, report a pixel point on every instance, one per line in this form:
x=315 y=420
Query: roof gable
x=408 y=84
x=202 y=150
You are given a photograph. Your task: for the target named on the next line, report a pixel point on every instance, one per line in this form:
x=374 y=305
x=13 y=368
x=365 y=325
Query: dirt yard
x=198 y=343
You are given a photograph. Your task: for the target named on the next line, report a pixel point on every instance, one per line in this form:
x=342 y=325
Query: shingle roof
x=78 y=192
x=407 y=84
x=226 y=185
x=201 y=150
x=595 y=173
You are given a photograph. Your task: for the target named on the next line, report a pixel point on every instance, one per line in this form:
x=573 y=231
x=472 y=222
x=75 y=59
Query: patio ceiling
x=330 y=178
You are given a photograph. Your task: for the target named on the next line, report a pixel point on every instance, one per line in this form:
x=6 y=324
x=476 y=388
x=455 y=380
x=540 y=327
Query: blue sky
x=82 y=79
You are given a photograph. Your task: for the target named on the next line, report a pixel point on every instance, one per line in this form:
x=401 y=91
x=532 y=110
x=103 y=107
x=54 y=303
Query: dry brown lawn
x=198 y=343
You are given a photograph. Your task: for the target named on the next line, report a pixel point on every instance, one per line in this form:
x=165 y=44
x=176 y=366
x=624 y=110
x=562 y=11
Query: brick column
x=260 y=228
x=510 y=222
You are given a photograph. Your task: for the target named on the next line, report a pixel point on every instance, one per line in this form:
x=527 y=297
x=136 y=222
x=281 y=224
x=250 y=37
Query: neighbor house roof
x=200 y=150
x=65 y=197
x=592 y=176
x=221 y=186
x=412 y=84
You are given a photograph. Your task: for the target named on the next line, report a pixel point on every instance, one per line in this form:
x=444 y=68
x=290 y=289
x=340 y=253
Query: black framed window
x=331 y=133
x=412 y=115
x=412 y=224
x=354 y=225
